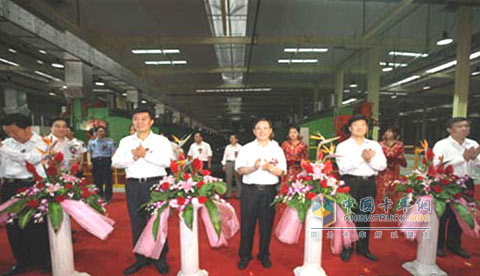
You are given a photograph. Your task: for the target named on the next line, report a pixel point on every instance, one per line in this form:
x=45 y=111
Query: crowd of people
x=258 y=167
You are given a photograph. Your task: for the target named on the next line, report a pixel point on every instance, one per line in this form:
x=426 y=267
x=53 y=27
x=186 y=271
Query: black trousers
x=255 y=203
x=29 y=246
x=102 y=174
x=454 y=230
x=361 y=188
x=138 y=193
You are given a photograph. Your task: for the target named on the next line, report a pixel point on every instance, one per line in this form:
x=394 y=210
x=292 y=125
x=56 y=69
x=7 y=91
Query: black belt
x=260 y=187
x=101 y=158
x=12 y=180
x=360 y=177
x=145 y=179
x=230 y=161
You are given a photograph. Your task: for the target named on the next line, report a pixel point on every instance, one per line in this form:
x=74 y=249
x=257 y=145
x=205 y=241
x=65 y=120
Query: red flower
x=469 y=193
x=52 y=171
x=420 y=178
x=346 y=189
x=33 y=203
x=58 y=157
x=83 y=182
x=186 y=176
x=430 y=154
x=449 y=170
x=340 y=190
x=457 y=195
x=320 y=155
x=444 y=181
x=404 y=178
x=202 y=199
x=21 y=190
x=197 y=165
x=409 y=190
x=181 y=200
x=308 y=178
x=441 y=168
x=40 y=185
x=206 y=172
x=424 y=161
x=284 y=189
x=173 y=166
x=31 y=169
x=165 y=186
x=311 y=195
x=327 y=167
x=69 y=186
x=294 y=178
x=307 y=166
x=200 y=184
x=437 y=189
x=181 y=157
x=74 y=168
x=60 y=198
x=85 y=193
x=323 y=183
x=431 y=170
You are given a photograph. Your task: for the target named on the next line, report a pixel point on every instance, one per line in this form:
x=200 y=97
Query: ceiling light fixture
x=99 y=83
x=47 y=76
x=305 y=50
x=409 y=79
x=12 y=50
x=8 y=62
x=444 y=40
x=297 y=61
x=155 y=51
x=426 y=86
x=351 y=100
x=265 y=89
x=42 y=51
x=407 y=54
x=353 y=84
x=143 y=101
x=476 y=71
x=165 y=62
x=58 y=65
x=52 y=94
x=39 y=61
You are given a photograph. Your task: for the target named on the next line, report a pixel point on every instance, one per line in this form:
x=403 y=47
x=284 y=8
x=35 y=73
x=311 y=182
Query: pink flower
x=187 y=185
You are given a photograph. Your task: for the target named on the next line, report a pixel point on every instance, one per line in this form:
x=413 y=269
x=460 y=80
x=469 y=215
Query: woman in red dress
x=295 y=151
x=394 y=151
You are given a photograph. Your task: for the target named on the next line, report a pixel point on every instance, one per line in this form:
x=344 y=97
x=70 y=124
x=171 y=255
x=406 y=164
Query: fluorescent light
x=475 y=55
x=155 y=51
x=52 y=94
x=394 y=64
x=346 y=91
x=394 y=96
x=441 y=67
x=64 y=87
x=262 y=89
x=8 y=62
x=426 y=87
x=124 y=94
x=351 y=100
x=39 y=61
x=144 y=101
x=99 y=83
x=353 y=84
x=42 y=51
x=409 y=79
x=305 y=50
x=58 y=65
x=47 y=76
x=297 y=60
x=106 y=90
x=407 y=54
x=165 y=62
x=12 y=50
x=445 y=40
x=387 y=69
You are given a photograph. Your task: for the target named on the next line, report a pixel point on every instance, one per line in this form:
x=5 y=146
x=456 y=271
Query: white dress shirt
x=252 y=151
x=350 y=161
x=231 y=153
x=159 y=154
x=14 y=154
x=63 y=147
x=452 y=153
x=202 y=151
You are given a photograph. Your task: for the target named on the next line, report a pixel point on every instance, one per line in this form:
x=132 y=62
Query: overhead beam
x=194 y=87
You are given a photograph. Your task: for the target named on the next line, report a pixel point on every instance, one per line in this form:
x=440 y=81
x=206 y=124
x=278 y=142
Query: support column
x=15 y=101
x=462 y=74
x=338 y=90
x=373 y=85
x=78 y=79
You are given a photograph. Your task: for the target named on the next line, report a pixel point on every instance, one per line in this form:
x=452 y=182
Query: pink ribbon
x=146 y=244
x=229 y=221
x=96 y=224
x=289 y=227
x=347 y=236
x=5 y=205
x=407 y=225
x=474 y=233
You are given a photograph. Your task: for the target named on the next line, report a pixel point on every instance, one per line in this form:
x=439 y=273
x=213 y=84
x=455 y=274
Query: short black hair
x=455 y=120
x=199 y=133
x=143 y=109
x=355 y=118
x=235 y=135
x=56 y=119
x=99 y=127
x=263 y=119
x=16 y=119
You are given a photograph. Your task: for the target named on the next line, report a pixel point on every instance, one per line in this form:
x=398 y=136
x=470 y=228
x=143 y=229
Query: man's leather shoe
x=243 y=263
x=346 y=254
x=459 y=252
x=162 y=267
x=440 y=253
x=14 y=270
x=266 y=262
x=134 y=268
x=367 y=254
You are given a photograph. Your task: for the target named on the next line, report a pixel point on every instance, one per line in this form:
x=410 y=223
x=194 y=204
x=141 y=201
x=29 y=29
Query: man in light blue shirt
x=100 y=152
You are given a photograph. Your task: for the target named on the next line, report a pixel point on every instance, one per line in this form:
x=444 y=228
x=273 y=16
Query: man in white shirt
x=463 y=154
x=144 y=156
x=359 y=160
x=29 y=246
x=228 y=165
x=58 y=135
x=201 y=150
x=261 y=163
x=77 y=149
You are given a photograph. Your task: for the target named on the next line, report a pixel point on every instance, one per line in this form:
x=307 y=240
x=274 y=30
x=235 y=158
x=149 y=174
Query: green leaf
x=55 y=212
x=158 y=196
x=156 y=223
x=439 y=207
x=302 y=213
x=214 y=216
x=16 y=207
x=464 y=214
x=220 y=187
x=25 y=218
x=187 y=215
